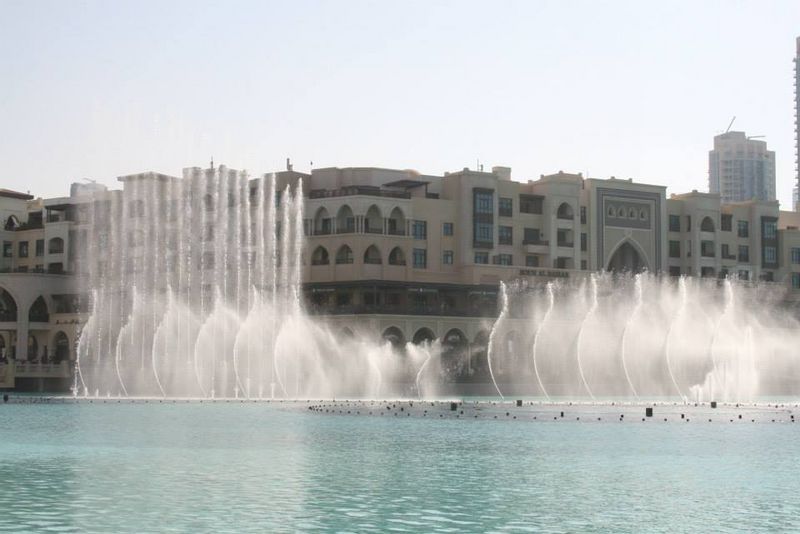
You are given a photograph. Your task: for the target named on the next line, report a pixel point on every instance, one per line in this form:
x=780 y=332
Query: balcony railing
x=373 y=230
x=568 y=244
x=396 y=231
x=357 y=190
x=542 y=242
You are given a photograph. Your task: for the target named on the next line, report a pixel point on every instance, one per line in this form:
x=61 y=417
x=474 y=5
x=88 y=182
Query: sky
x=99 y=89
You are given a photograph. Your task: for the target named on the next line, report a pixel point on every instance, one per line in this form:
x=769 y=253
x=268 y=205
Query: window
x=531 y=261
x=583 y=242
x=208 y=260
x=419 y=229
x=447 y=257
x=8 y=249
x=531 y=236
x=768 y=276
x=504 y=259
x=55 y=246
x=447 y=228
x=40 y=247
x=744 y=275
x=707 y=249
x=770 y=230
x=726 y=222
x=688 y=223
x=770 y=255
x=584 y=265
x=707 y=225
x=583 y=214
x=674 y=271
x=344 y=255
x=744 y=254
x=795 y=280
x=482 y=258
x=531 y=204
x=726 y=251
x=505 y=235
x=674 y=249
x=674 y=223
x=483 y=233
x=420 y=256
x=795 y=255
x=23 y=249
x=743 y=228
x=505 y=207
x=484 y=201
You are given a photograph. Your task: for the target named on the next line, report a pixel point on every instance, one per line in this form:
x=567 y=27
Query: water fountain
x=197 y=292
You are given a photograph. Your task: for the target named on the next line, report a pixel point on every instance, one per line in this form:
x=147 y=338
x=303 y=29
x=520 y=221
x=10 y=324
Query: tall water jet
x=493 y=333
x=550 y=305
x=634 y=314
x=578 y=341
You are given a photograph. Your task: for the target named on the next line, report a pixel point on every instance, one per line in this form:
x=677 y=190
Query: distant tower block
x=796 y=191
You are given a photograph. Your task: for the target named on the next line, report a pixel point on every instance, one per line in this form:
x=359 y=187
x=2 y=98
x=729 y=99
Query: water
x=272 y=468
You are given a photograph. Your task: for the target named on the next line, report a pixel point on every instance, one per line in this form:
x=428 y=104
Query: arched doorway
x=394 y=336
x=61 y=346
x=424 y=335
x=33 y=347
x=626 y=259
x=8 y=307
x=38 y=312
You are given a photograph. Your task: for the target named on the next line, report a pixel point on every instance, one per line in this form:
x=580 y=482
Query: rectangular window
x=447 y=257
x=484 y=201
x=726 y=252
x=584 y=240
x=688 y=223
x=674 y=249
x=770 y=255
x=419 y=229
x=795 y=280
x=8 y=249
x=40 y=247
x=420 y=256
x=505 y=207
x=743 y=228
x=674 y=223
x=744 y=275
x=707 y=249
x=726 y=223
x=483 y=233
x=23 y=249
x=505 y=235
x=504 y=259
x=744 y=254
x=583 y=214
x=531 y=261
x=482 y=258
x=674 y=270
x=795 y=255
x=447 y=228
x=770 y=230
x=531 y=204
x=531 y=236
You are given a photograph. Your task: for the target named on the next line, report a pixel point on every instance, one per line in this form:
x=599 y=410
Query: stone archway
x=626 y=259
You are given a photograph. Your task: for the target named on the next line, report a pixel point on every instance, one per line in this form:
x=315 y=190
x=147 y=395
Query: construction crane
x=728 y=129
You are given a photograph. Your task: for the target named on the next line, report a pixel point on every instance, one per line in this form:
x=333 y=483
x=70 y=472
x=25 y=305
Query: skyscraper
x=796 y=195
x=740 y=168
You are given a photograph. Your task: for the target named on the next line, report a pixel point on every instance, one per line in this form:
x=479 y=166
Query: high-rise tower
x=740 y=168
x=796 y=192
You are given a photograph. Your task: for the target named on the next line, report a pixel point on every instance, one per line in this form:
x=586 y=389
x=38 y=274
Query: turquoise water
x=267 y=468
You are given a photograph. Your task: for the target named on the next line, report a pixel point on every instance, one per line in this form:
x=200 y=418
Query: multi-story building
x=40 y=314
x=740 y=168
x=409 y=256
x=797 y=123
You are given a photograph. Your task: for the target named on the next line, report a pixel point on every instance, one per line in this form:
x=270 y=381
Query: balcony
x=357 y=190
x=373 y=230
x=396 y=231
x=566 y=244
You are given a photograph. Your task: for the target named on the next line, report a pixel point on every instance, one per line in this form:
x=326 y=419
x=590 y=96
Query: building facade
x=398 y=254
x=740 y=168
x=796 y=206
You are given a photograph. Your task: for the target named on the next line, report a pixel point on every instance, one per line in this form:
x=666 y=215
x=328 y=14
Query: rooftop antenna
x=212 y=162
x=730 y=124
x=755 y=137
x=288 y=164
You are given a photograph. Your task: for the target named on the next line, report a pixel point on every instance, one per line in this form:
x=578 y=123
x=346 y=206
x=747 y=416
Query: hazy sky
x=631 y=89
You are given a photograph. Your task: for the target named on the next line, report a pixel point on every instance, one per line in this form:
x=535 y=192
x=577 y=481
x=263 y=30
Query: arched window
x=397 y=222
x=372 y=255
x=424 y=335
x=397 y=256
x=345 y=221
x=394 y=336
x=322 y=222
x=12 y=223
x=8 y=307
x=565 y=211
x=612 y=212
x=55 y=246
x=373 y=222
x=707 y=225
x=38 y=311
x=344 y=255
x=320 y=256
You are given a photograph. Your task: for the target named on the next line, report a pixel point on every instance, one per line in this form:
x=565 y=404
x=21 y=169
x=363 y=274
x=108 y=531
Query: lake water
x=272 y=468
